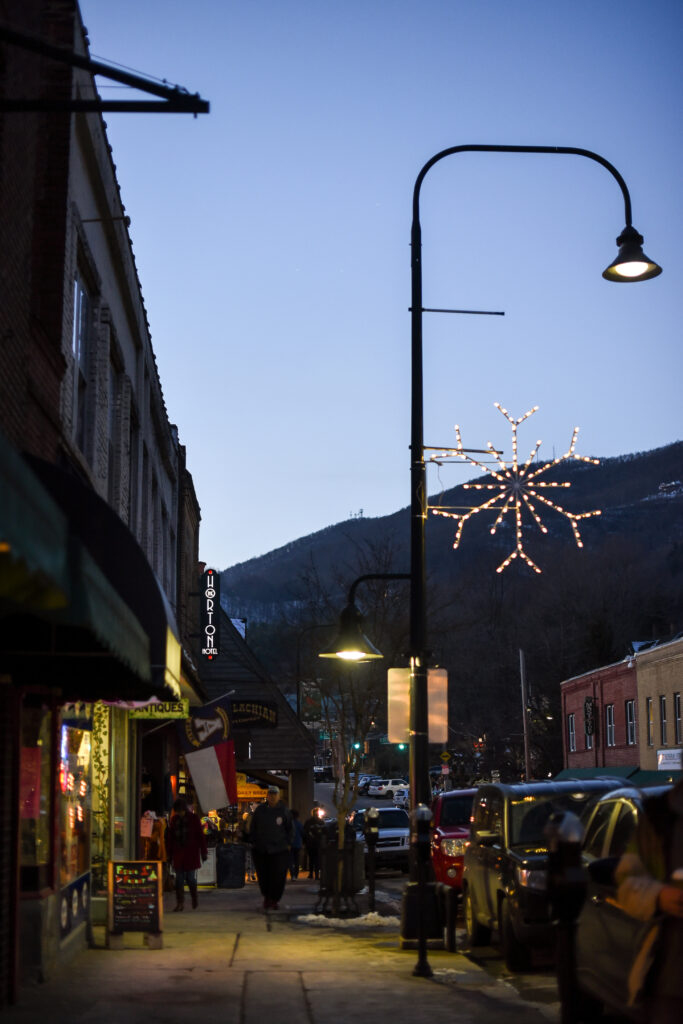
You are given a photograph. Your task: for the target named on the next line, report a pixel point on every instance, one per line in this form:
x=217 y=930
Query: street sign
x=445 y=756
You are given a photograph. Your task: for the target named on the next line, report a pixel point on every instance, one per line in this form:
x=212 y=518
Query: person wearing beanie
x=271 y=833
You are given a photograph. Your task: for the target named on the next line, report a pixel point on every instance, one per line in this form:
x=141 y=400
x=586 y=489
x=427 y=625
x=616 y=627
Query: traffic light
x=401 y=746
x=356 y=746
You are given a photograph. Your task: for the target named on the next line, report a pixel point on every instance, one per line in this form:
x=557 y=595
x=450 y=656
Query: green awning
x=655 y=778
x=62 y=623
x=33 y=540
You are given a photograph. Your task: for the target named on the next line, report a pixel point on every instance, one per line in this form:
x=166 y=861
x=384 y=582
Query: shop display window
x=35 y=797
x=75 y=802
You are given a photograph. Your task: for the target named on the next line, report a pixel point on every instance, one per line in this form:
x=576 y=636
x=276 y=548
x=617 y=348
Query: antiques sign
x=162 y=709
x=210 y=603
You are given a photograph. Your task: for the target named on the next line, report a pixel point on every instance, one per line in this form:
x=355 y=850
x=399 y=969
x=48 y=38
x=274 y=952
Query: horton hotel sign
x=210 y=604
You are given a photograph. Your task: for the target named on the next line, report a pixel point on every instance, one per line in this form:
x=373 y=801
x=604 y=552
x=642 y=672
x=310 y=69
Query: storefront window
x=74 y=814
x=35 y=797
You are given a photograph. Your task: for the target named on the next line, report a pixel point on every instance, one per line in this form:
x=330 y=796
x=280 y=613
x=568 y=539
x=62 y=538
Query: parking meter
x=371 y=832
x=566 y=877
x=422 y=817
x=567 y=891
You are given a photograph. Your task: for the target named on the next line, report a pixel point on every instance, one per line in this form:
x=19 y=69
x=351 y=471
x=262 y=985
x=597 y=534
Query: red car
x=451 y=830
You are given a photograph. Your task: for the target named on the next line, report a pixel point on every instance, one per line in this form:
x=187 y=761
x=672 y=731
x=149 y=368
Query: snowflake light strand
x=517 y=488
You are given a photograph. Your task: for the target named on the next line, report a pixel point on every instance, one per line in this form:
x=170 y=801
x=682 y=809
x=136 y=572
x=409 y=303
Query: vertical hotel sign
x=210 y=603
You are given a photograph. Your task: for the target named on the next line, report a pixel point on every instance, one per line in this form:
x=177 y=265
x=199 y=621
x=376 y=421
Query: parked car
x=505 y=869
x=393 y=843
x=451 y=813
x=386 y=787
x=402 y=798
x=607 y=939
x=365 y=781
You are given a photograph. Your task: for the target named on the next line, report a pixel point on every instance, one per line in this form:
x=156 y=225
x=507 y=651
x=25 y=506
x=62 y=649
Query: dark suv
x=505 y=873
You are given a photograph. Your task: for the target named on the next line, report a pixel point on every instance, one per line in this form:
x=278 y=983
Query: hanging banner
x=210 y=604
x=399 y=705
x=206 y=726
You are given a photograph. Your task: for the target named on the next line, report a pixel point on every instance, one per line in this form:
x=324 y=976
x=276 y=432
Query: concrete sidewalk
x=231 y=963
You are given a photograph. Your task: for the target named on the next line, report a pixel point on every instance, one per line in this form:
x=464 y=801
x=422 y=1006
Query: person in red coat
x=186 y=846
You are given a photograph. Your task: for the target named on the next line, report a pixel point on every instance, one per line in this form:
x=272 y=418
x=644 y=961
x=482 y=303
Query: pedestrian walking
x=186 y=846
x=297 y=843
x=271 y=833
x=313 y=832
x=249 y=869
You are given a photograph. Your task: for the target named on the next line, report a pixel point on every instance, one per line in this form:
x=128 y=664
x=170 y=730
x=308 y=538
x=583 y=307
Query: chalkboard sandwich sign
x=135 y=901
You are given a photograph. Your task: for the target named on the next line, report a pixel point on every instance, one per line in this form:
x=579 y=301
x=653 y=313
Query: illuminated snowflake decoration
x=517 y=488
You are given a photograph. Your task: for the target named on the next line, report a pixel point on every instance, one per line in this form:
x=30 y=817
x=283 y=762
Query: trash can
x=230 y=860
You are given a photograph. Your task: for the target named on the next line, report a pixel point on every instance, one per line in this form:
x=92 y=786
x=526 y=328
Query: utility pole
x=525 y=716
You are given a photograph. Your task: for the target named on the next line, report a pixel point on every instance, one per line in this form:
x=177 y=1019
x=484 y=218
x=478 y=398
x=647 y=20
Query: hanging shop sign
x=162 y=709
x=134 y=898
x=253 y=713
x=210 y=604
x=589 y=716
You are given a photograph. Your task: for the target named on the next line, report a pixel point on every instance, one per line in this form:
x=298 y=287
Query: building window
x=631 y=722
x=677 y=718
x=650 y=711
x=662 y=720
x=79 y=350
x=609 y=725
x=571 y=731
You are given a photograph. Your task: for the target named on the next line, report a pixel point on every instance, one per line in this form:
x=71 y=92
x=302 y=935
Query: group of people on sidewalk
x=275 y=838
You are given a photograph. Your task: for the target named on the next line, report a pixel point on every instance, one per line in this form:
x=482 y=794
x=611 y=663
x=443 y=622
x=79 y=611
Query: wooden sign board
x=135 y=901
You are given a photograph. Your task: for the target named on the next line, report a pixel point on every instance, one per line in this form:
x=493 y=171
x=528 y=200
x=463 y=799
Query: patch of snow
x=365 y=921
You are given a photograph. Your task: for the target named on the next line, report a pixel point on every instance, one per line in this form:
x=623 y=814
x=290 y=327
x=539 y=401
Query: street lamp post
x=630 y=265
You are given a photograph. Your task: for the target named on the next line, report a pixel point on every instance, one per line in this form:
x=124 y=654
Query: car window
x=456 y=810
x=623 y=830
x=495 y=819
x=530 y=814
x=597 y=830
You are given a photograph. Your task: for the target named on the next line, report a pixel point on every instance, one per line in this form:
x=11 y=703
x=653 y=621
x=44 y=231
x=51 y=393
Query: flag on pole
x=213 y=775
x=210 y=755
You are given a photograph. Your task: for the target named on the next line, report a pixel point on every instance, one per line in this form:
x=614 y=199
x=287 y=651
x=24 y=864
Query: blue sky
x=272 y=238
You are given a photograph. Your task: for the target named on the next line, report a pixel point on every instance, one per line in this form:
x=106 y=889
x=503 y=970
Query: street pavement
x=228 y=961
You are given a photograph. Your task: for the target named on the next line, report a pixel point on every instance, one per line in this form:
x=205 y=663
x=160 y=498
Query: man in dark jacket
x=271 y=832
x=186 y=847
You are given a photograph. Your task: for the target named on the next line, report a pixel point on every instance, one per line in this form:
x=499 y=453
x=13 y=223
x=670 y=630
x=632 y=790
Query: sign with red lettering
x=135 y=896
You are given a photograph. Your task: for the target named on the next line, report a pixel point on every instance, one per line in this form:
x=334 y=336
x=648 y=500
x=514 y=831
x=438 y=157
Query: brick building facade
x=99 y=519
x=627 y=715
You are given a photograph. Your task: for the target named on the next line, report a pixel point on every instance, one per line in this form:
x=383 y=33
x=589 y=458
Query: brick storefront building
x=98 y=516
x=627 y=716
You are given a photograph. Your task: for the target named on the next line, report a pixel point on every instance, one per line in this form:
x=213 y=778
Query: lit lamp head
x=351 y=644
x=631 y=263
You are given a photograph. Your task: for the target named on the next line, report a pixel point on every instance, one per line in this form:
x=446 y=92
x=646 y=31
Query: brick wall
x=612 y=685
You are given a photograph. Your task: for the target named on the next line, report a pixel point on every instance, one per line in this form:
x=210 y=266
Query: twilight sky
x=272 y=238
